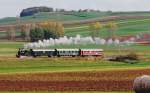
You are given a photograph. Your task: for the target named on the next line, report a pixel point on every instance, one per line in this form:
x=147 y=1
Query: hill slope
x=69 y=16
x=55 y=16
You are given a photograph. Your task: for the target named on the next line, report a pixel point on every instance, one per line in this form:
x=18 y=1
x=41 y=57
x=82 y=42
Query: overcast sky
x=9 y=8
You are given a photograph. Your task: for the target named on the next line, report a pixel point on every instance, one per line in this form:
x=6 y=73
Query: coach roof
x=43 y=49
x=68 y=49
x=91 y=49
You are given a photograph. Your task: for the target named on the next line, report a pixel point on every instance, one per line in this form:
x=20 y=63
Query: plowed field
x=71 y=81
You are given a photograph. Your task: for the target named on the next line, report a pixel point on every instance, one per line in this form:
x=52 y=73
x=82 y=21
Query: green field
x=63 y=65
x=125 y=28
x=9 y=48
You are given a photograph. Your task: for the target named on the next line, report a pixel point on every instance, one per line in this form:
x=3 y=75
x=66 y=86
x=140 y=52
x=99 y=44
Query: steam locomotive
x=59 y=52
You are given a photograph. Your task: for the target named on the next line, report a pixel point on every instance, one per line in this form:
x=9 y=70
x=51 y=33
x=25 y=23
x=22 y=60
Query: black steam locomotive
x=59 y=52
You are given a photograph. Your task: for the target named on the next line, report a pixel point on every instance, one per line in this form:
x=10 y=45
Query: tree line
x=46 y=30
x=39 y=31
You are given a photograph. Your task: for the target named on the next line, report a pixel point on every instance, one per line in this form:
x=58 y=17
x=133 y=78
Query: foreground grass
x=63 y=65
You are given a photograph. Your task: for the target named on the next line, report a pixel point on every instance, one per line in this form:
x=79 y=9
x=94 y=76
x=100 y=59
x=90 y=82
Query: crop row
x=117 y=80
x=77 y=76
x=65 y=85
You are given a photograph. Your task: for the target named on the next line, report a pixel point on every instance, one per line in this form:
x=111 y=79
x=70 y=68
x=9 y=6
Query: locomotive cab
x=21 y=52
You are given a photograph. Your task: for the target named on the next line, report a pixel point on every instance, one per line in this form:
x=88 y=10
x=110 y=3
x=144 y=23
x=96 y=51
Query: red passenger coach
x=91 y=52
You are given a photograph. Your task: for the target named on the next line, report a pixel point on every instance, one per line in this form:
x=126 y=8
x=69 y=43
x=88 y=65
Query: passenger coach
x=91 y=52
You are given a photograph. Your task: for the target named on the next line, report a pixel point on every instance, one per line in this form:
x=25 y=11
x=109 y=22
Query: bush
x=130 y=58
x=36 y=34
x=48 y=33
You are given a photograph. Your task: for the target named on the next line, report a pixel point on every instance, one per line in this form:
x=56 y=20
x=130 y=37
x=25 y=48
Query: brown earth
x=117 y=80
x=66 y=85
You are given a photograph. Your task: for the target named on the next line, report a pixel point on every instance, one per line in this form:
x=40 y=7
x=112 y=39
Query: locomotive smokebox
x=142 y=84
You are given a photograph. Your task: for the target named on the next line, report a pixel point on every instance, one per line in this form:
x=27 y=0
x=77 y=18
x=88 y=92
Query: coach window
x=75 y=52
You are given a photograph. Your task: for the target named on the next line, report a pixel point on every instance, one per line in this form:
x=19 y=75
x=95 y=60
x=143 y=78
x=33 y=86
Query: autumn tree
x=111 y=26
x=36 y=34
x=11 y=34
x=25 y=31
x=46 y=30
x=95 y=28
x=52 y=29
x=59 y=30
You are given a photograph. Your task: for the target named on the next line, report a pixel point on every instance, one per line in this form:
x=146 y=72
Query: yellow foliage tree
x=59 y=29
x=25 y=31
x=95 y=28
x=98 y=26
x=112 y=27
x=54 y=29
x=11 y=34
